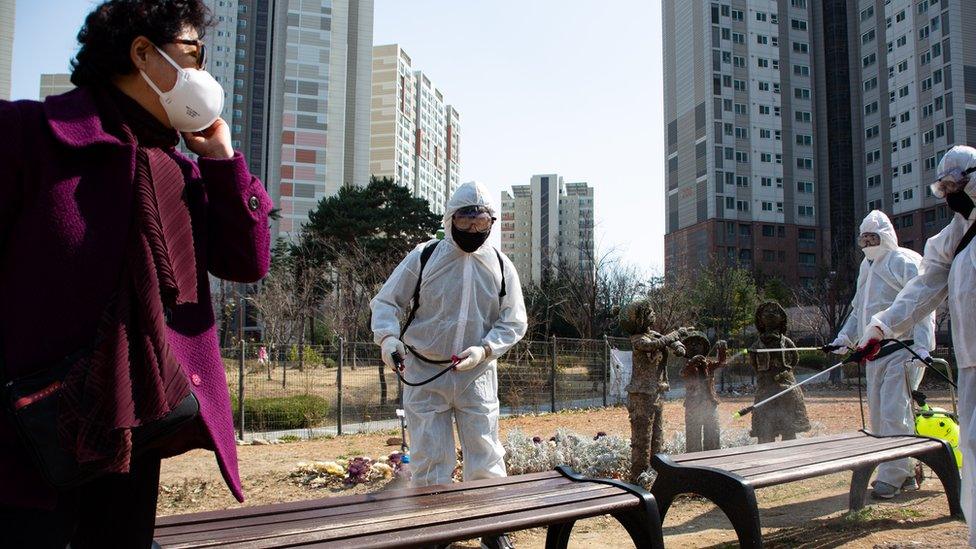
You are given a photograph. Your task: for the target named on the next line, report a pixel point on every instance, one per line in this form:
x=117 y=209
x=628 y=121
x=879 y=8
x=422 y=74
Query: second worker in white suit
x=471 y=306
x=894 y=373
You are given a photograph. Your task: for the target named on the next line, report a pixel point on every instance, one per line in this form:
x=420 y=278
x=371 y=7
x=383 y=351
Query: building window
x=871 y=108
x=868 y=37
x=798 y=24
x=801 y=47
x=741 y=205
x=873 y=156
x=808 y=259
x=737 y=15
x=874 y=181
x=871 y=83
x=804 y=163
x=801 y=70
x=804 y=140
x=869 y=60
x=801 y=93
x=804 y=187
x=741 y=181
x=767 y=206
x=872 y=132
x=867 y=13
x=804 y=211
x=802 y=116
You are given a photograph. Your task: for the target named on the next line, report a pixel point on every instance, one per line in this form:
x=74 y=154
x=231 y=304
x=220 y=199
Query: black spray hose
x=400 y=364
x=928 y=362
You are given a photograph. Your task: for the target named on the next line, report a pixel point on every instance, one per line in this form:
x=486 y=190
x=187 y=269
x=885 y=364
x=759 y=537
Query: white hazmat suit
x=891 y=378
x=946 y=274
x=459 y=308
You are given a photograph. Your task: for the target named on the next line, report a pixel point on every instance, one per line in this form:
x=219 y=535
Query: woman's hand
x=213 y=142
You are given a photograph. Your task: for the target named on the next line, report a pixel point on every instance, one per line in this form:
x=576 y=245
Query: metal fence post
x=552 y=376
x=342 y=358
x=606 y=367
x=240 y=392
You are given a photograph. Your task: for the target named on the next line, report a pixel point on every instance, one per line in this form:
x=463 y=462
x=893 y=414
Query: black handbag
x=32 y=402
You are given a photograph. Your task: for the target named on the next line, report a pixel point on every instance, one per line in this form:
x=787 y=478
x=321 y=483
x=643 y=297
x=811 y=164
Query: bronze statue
x=701 y=403
x=787 y=415
x=648 y=382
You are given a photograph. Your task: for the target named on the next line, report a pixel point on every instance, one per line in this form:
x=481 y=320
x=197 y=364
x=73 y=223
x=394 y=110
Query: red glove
x=870 y=349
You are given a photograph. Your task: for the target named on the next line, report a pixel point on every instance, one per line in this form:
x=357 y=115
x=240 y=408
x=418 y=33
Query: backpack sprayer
x=929 y=421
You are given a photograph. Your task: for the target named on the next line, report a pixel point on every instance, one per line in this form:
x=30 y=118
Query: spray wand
x=855 y=357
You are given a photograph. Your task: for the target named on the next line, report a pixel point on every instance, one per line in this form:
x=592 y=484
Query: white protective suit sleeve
x=850 y=331
x=923 y=294
x=924 y=332
x=512 y=320
x=393 y=300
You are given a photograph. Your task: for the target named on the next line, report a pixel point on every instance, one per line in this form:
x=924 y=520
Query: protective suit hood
x=471 y=193
x=962 y=158
x=877 y=222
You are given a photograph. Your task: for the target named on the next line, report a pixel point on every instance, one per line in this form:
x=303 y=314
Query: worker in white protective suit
x=471 y=307
x=948 y=269
x=894 y=373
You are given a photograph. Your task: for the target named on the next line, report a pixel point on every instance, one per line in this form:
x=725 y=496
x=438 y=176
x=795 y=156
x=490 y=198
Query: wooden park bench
x=425 y=516
x=729 y=477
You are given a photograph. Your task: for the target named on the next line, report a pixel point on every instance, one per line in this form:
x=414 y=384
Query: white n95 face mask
x=195 y=102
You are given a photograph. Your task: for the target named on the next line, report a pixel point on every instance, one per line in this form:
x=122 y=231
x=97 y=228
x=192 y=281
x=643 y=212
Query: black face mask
x=469 y=242
x=960 y=202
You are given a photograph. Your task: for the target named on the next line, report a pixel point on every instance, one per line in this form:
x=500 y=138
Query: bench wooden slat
x=751 y=457
x=422 y=533
x=310 y=530
x=863 y=450
x=835 y=466
x=365 y=511
x=339 y=501
x=691 y=458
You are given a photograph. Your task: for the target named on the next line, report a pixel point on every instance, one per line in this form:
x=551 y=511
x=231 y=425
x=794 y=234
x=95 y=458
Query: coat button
x=195 y=379
x=253 y=203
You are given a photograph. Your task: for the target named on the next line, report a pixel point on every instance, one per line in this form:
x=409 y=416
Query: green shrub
x=292 y=412
x=814 y=360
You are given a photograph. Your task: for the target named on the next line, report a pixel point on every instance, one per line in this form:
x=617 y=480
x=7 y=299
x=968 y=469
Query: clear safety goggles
x=951 y=181
x=473 y=218
x=866 y=240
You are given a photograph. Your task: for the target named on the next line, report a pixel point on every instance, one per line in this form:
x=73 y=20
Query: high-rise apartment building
x=547 y=225
x=393 y=131
x=452 y=147
x=297 y=74
x=915 y=84
x=744 y=170
x=7 y=13
x=54 y=84
x=415 y=135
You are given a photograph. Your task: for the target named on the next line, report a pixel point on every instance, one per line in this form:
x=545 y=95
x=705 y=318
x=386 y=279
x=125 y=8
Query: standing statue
x=648 y=382
x=787 y=415
x=701 y=402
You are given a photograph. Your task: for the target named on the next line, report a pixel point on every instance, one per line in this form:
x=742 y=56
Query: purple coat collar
x=75 y=121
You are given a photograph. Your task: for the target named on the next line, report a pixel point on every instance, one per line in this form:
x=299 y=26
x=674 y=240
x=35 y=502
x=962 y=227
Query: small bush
x=814 y=360
x=293 y=412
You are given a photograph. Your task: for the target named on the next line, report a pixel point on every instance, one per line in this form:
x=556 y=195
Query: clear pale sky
x=572 y=87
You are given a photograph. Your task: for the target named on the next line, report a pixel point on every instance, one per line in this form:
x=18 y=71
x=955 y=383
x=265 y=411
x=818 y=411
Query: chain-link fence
x=345 y=388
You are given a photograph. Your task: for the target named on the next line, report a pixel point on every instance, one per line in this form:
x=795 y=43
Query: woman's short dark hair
x=106 y=38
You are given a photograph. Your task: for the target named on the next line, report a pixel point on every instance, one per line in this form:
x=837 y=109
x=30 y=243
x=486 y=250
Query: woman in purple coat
x=107 y=236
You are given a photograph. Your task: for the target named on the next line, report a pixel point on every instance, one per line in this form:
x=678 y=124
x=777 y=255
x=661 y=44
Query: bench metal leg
x=943 y=462
x=735 y=497
x=859 y=486
x=644 y=530
x=557 y=537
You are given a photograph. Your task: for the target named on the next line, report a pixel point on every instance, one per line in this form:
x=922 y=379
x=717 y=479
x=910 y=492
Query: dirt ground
x=809 y=514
